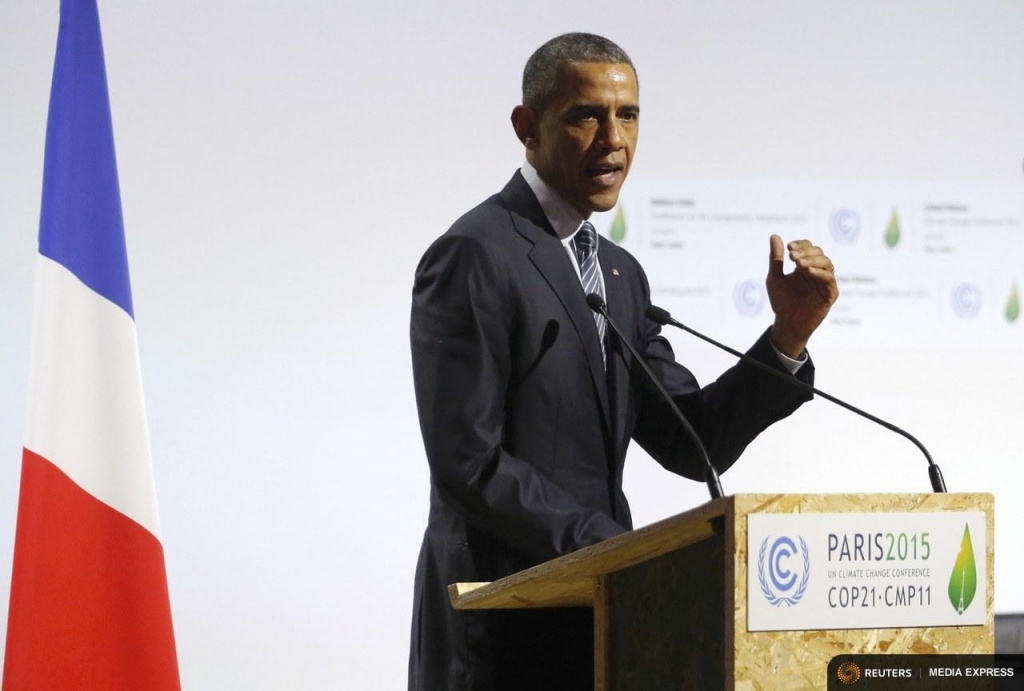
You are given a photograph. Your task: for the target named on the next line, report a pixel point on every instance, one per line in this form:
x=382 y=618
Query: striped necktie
x=584 y=244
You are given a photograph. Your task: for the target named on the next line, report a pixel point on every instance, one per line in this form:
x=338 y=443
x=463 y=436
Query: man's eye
x=584 y=115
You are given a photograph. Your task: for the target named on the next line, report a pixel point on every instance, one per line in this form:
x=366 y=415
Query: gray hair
x=541 y=72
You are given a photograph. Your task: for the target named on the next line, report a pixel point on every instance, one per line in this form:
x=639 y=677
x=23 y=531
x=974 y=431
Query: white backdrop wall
x=284 y=165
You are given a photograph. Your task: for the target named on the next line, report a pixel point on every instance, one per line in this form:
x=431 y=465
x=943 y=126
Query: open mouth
x=606 y=174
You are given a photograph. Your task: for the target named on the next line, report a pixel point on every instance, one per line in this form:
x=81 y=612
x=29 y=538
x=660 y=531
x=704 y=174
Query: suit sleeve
x=461 y=325
x=727 y=414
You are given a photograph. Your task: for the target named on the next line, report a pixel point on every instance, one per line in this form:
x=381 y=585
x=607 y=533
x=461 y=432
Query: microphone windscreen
x=659 y=315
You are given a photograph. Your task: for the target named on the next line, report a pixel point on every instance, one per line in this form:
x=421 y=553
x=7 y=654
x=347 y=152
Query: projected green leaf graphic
x=1012 y=310
x=892 y=231
x=618 y=230
x=963 y=582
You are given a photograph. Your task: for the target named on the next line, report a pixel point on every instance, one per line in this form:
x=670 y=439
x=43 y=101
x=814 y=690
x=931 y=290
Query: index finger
x=798 y=245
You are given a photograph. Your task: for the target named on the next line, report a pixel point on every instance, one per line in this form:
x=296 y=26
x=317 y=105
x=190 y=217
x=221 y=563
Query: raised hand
x=802 y=298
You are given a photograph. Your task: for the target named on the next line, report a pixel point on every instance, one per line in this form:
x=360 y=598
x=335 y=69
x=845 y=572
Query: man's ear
x=524 y=122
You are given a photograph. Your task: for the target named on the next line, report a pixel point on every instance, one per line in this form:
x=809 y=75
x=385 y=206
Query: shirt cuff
x=788 y=362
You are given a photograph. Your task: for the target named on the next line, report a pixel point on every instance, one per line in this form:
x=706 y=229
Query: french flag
x=89 y=607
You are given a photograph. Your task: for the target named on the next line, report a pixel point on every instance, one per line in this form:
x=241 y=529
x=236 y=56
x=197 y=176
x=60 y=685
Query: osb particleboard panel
x=667 y=629
x=569 y=581
x=791 y=660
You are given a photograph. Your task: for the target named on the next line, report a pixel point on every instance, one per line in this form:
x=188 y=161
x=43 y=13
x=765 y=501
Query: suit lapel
x=549 y=256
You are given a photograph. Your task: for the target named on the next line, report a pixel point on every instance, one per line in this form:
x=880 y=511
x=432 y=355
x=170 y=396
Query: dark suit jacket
x=526 y=434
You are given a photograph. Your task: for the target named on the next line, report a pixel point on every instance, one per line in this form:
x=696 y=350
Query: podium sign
x=671 y=599
x=866 y=570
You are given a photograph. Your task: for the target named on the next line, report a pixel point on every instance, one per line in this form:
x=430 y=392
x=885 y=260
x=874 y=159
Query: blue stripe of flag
x=80 y=223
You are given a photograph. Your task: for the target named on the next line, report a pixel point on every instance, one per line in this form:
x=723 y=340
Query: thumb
x=776 y=256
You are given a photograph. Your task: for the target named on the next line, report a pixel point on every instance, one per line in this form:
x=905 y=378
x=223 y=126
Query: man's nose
x=611 y=135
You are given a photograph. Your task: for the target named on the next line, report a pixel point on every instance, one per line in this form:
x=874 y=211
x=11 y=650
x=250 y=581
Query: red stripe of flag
x=100 y=615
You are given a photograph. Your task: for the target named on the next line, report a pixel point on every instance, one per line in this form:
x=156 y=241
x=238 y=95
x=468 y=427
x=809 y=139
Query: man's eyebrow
x=585 y=109
x=598 y=111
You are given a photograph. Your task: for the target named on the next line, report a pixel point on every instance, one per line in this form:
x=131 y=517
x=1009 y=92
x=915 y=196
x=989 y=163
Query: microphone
x=596 y=303
x=662 y=317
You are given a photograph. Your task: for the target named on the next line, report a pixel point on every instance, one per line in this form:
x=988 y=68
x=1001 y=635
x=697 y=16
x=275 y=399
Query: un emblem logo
x=778 y=583
x=844 y=225
x=966 y=299
x=748 y=296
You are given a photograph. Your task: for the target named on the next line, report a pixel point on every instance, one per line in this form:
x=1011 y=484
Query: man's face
x=584 y=140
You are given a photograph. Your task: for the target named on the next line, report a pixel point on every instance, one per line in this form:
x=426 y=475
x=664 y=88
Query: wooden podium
x=670 y=599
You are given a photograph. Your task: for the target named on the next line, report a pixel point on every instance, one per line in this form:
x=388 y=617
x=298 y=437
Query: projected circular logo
x=966 y=299
x=844 y=225
x=748 y=296
x=848 y=673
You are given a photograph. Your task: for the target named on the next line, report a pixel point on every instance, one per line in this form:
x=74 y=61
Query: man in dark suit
x=527 y=405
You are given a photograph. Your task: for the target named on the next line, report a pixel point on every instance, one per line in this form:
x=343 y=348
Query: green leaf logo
x=892 y=231
x=1012 y=310
x=963 y=582
x=618 y=230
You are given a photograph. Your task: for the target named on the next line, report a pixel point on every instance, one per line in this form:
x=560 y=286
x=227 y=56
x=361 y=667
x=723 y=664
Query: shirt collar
x=562 y=216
